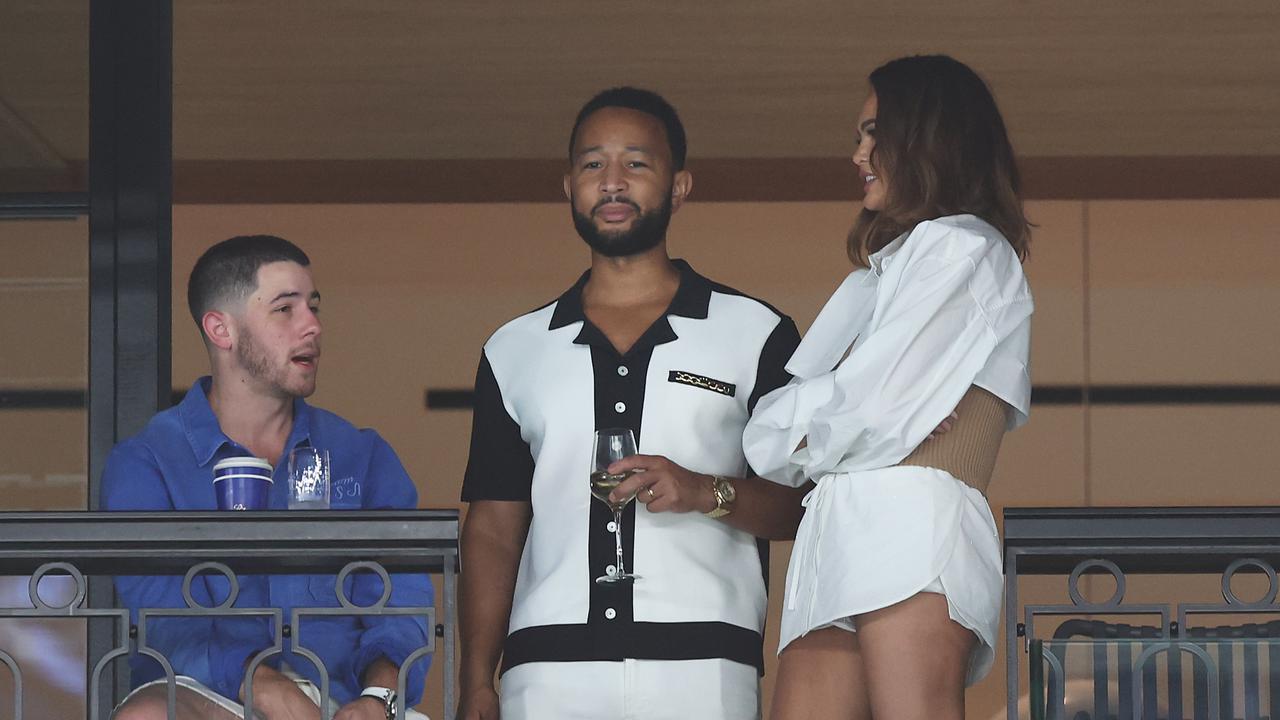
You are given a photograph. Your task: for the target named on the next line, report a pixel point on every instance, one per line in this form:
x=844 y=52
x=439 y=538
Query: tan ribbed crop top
x=968 y=451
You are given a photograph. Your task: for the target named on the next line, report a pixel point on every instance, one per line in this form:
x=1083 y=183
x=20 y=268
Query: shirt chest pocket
x=698 y=400
x=702 y=382
x=346 y=493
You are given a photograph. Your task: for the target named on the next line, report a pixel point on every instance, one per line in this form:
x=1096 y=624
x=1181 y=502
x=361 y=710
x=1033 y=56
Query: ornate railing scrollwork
x=1121 y=541
x=72 y=608
x=90 y=547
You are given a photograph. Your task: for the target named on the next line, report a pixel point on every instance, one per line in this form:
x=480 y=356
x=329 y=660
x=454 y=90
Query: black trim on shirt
x=692 y=298
x=500 y=462
x=610 y=389
x=771 y=372
x=596 y=641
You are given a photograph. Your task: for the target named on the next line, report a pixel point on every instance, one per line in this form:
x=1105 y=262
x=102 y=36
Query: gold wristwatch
x=725 y=496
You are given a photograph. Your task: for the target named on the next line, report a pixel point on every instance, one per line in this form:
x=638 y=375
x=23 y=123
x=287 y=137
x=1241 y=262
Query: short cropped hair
x=228 y=271
x=645 y=101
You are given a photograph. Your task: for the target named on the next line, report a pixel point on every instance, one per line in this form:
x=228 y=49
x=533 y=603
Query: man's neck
x=625 y=295
x=641 y=280
x=258 y=421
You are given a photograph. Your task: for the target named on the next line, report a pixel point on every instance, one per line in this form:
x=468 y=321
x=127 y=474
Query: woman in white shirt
x=893 y=593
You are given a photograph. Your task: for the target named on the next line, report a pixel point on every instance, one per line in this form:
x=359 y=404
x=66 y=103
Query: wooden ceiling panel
x=44 y=82
x=437 y=79
x=752 y=79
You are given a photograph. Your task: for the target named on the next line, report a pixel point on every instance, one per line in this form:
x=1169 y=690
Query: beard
x=647 y=229
x=257 y=363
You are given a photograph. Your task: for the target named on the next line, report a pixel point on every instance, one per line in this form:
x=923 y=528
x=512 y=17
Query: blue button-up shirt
x=169 y=466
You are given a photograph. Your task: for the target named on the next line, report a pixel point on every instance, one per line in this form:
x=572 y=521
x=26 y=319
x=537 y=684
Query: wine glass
x=611 y=445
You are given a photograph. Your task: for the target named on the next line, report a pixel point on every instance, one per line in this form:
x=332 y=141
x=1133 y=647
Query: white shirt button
x=620 y=407
x=611 y=571
x=622 y=370
x=610 y=614
x=611 y=527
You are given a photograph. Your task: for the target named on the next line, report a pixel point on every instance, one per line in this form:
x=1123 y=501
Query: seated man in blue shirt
x=256 y=305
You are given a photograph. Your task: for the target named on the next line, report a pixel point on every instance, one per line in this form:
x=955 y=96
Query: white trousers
x=631 y=690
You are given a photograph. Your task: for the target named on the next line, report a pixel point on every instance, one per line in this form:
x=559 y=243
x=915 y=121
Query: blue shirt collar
x=204 y=434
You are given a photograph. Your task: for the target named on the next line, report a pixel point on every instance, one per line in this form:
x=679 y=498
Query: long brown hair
x=942 y=145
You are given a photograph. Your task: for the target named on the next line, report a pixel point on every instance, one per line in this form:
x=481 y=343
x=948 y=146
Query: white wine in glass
x=603 y=483
x=611 y=445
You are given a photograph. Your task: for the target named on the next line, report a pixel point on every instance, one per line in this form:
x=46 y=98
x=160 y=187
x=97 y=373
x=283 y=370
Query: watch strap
x=386 y=696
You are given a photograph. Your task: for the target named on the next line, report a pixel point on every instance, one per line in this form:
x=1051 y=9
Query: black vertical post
x=130 y=253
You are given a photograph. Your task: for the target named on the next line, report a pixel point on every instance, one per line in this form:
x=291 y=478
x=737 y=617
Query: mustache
x=615 y=199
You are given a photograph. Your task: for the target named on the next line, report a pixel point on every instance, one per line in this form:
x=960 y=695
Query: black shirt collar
x=691 y=300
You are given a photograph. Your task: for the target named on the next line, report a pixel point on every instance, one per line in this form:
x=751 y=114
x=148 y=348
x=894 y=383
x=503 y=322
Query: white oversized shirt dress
x=943 y=307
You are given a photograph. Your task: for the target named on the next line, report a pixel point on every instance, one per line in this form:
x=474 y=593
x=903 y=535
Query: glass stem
x=617 y=535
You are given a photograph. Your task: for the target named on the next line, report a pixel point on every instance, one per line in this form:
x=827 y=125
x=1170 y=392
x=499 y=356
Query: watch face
x=727 y=489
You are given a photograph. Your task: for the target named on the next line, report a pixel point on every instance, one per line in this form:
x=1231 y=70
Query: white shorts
x=631 y=690
x=307 y=687
x=846 y=623
x=874 y=538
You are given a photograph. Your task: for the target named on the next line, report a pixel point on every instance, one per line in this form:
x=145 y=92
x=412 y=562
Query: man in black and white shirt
x=644 y=342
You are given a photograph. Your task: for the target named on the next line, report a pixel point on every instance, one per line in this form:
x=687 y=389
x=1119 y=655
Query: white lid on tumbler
x=243 y=462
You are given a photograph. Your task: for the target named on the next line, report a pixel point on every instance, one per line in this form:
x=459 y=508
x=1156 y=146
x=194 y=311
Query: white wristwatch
x=386 y=696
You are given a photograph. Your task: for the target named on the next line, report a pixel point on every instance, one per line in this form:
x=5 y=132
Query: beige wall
x=44 y=320
x=1126 y=291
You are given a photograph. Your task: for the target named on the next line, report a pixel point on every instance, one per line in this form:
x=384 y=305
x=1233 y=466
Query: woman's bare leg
x=915 y=658
x=821 y=675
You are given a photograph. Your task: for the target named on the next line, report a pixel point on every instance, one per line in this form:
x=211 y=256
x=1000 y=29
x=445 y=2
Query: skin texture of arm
x=381 y=673
x=493 y=538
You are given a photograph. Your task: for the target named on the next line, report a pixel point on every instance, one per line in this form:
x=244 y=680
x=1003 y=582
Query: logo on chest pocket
x=682 y=377
x=346 y=490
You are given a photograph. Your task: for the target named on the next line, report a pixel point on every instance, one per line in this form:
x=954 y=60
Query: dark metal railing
x=1122 y=658
x=91 y=546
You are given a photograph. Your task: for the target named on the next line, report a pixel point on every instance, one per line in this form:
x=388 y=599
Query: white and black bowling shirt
x=547 y=380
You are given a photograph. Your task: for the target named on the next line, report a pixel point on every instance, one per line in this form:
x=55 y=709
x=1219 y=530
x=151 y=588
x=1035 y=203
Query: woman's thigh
x=821 y=675
x=916 y=658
